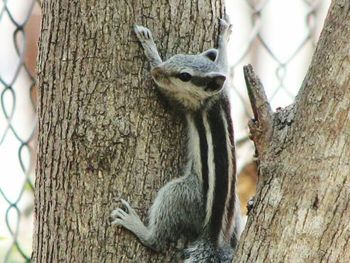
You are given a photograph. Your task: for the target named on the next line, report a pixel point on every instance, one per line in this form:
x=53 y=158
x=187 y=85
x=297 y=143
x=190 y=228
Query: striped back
x=211 y=148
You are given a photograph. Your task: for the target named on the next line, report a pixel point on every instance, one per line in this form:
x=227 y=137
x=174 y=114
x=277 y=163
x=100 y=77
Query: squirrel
x=202 y=205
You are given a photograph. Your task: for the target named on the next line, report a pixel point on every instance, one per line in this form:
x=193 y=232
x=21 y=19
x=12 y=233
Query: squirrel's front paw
x=226 y=28
x=126 y=217
x=142 y=33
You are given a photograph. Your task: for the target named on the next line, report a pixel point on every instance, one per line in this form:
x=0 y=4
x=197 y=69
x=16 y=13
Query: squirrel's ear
x=216 y=81
x=211 y=54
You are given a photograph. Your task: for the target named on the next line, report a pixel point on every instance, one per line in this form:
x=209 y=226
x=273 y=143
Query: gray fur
x=203 y=251
x=179 y=209
x=182 y=195
x=200 y=64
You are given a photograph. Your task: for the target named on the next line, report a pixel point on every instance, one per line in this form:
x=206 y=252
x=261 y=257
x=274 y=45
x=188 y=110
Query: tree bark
x=104 y=134
x=302 y=207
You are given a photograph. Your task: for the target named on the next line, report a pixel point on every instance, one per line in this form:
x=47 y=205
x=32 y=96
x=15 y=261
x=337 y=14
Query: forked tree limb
x=302 y=211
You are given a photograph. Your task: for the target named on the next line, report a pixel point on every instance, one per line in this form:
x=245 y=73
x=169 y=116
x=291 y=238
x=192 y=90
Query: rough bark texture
x=302 y=209
x=103 y=131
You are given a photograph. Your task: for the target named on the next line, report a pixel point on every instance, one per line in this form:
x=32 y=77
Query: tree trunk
x=302 y=208
x=104 y=133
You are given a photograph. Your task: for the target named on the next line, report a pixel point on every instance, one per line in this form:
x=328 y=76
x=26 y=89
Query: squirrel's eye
x=184 y=76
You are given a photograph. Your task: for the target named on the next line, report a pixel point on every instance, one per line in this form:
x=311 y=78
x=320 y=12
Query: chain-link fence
x=18 y=26
x=277 y=37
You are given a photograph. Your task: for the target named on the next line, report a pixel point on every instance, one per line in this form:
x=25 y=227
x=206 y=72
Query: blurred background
x=277 y=37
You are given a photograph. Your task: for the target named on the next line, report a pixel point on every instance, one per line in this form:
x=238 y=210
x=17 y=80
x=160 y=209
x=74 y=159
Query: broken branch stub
x=261 y=126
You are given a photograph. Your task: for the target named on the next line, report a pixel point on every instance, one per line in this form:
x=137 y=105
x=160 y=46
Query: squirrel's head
x=190 y=79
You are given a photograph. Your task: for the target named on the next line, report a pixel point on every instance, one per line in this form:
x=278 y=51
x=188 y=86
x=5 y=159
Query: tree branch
x=302 y=201
x=261 y=126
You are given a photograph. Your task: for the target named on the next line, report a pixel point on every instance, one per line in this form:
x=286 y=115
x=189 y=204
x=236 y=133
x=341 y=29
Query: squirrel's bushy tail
x=204 y=251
